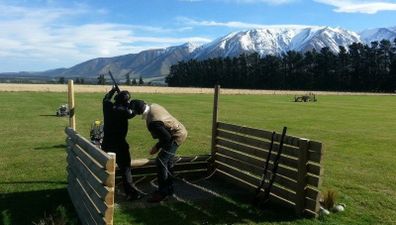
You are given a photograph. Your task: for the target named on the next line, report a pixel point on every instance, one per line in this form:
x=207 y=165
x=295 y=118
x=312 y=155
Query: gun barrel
x=114 y=81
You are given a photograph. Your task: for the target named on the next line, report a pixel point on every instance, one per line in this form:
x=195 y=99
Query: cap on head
x=137 y=105
x=122 y=97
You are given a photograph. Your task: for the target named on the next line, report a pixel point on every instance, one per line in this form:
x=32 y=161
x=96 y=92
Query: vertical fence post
x=72 y=116
x=302 y=176
x=111 y=167
x=214 y=125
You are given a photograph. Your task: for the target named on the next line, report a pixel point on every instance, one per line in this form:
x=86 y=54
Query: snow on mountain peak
x=276 y=40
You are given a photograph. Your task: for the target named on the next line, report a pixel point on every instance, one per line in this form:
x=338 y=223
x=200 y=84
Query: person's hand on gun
x=116 y=89
x=154 y=150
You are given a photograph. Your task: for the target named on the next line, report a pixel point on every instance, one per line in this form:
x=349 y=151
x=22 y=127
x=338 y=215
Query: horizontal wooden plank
x=98 y=200
x=100 y=156
x=312 y=205
x=284 y=170
x=313 y=180
x=76 y=166
x=314 y=169
x=314 y=157
x=261 y=147
x=82 y=211
x=286 y=161
x=178 y=167
x=310 y=214
x=240 y=156
x=315 y=146
x=186 y=173
x=106 y=211
x=83 y=198
x=257 y=171
x=107 y=180
x=104 y=192
x=312 y=193
x=254 y=181
x=252 y=188
x=95 y=167
x=280 y=178
x=289 y=140
x=245 y=130
x=179 y=159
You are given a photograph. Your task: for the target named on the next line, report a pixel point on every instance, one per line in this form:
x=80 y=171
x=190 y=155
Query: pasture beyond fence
x=238 y=156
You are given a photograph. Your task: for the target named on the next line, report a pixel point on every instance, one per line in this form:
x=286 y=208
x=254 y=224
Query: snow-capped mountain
x=148 y=63
x=273 y=40
x=277 y=40
x=378 y=34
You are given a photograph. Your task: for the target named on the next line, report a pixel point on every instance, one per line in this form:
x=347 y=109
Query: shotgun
x=115 y=82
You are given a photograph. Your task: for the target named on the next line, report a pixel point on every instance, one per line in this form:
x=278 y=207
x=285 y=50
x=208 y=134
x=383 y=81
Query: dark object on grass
x=96 y=133
x=305 y=98
x=63 y=110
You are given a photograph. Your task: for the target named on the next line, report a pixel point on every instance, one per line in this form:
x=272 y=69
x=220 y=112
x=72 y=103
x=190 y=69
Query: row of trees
x=128 y=81
x=360 y=68
x=62 y=80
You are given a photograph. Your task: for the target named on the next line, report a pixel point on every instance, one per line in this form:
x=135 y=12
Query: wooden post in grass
x=301 y=176
x=214 y=126
x=72 y=116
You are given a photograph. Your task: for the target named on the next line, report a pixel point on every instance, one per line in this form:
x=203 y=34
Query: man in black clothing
x=115 y=129
x=170 y=134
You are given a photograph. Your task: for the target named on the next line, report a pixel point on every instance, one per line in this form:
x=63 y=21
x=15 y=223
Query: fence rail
x=240 y=155
x=91 y=180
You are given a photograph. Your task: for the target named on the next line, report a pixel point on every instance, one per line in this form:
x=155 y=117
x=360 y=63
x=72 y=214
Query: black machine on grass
x=305 y=98
x=63 y=110
x=96 y=133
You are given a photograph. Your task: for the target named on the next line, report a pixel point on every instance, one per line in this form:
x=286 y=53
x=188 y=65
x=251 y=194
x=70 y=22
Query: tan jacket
x=159 y=113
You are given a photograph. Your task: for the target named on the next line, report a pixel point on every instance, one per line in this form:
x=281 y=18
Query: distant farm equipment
x=305 y=98
x=96 y=133
x=63 y=110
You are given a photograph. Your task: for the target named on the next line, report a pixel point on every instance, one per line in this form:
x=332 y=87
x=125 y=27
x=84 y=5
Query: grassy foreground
x=358 y=133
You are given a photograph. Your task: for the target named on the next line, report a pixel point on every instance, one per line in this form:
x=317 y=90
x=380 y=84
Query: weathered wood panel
x=261 y=145
x=100 y=156
x=289 y=140
x=255 y=182
x=242 y=151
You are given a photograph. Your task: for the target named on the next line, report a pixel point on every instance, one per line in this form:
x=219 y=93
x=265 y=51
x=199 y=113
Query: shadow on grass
x=61 y=146
x=49 y=115
x=35 y=182
x=205 y=203
x=26 y=207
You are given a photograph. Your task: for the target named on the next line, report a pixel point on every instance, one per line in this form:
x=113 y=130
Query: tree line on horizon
x=360 y=67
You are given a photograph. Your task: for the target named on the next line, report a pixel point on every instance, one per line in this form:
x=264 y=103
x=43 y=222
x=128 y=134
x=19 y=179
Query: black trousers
x=123 y=160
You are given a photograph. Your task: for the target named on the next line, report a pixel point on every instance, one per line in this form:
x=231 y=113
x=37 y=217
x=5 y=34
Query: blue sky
x=38 y=35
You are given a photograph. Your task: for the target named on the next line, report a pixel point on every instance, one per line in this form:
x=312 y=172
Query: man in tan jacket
x=170 y=134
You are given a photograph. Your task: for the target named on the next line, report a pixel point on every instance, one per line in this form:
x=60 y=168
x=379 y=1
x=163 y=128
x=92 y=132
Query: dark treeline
x=362 y=68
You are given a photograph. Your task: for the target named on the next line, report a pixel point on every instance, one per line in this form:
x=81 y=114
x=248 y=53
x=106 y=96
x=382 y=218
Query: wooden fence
x=240 y=154
x=91 y=180
x=184 y=166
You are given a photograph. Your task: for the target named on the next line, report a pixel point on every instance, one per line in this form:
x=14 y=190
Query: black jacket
x=160 y=132
x=115 y=120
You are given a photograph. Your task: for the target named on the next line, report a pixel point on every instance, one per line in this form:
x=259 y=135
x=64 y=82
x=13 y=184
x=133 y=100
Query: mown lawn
x=358 y=133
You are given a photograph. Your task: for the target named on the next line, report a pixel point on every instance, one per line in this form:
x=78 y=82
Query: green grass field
x=358 y=133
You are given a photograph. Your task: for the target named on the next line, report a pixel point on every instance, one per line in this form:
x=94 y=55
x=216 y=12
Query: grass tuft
x=329 y=199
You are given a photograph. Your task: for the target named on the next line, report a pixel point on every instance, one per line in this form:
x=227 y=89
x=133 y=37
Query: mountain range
x=275 y=40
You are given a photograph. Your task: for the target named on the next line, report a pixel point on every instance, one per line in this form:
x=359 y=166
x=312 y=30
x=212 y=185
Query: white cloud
x=272 y=2
x=355 y=6
x=230 y=24
x=47 y=36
